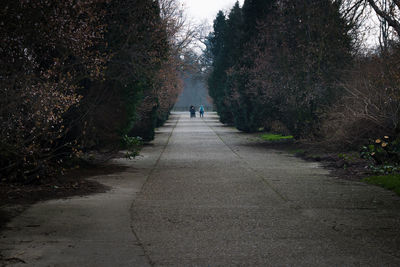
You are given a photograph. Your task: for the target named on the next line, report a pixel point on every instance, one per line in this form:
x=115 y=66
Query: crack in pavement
x=146 y=254
x=297 y=207
x=248 y=166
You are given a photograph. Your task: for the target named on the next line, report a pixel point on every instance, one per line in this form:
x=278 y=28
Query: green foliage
x=346 y=157
x=382 y=150
x=391 y=182
x=145 y=125
x=385 y=154
x=385 y=169
x=133 y=145
x=276 y=137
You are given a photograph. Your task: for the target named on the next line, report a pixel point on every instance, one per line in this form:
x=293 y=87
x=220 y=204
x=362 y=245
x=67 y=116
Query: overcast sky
x=206 y=10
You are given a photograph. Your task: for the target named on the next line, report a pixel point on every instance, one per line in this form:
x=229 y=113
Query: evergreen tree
x=226 y=52
x=217 y=79
x=314 y=49
x=246 y=107
x=140 y=46
x=255 y=11
x=232 y=54
x=279 y=61
x=233 y=36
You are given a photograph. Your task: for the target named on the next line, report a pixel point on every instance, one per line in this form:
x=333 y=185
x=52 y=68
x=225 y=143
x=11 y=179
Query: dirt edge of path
x=341 y=164
x=15 y=198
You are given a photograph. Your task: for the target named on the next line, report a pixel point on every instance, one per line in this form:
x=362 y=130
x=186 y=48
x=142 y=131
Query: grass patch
x=391 y=182
x=275 y=137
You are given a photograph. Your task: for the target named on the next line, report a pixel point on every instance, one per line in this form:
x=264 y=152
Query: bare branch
x=389 y=17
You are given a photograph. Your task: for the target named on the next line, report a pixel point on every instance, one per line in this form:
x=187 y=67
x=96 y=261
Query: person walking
x=192 y=112
x=201 y=111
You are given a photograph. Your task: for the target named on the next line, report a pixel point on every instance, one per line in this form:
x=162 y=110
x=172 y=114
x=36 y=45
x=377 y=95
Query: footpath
x=203 y=194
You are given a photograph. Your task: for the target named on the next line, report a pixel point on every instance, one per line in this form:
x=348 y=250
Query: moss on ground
x=391 y=182
x=276 y=137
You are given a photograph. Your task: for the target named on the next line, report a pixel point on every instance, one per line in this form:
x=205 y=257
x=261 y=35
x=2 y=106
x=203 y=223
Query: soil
x=15 y=198
x=342 y=164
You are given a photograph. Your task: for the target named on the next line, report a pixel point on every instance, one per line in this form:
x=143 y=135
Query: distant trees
x=217 y=79
x=286 y=64
x=194 y=79
x=80 y=75
x=296 y=65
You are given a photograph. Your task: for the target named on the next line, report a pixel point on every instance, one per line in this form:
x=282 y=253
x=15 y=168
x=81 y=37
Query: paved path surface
x=206 y=195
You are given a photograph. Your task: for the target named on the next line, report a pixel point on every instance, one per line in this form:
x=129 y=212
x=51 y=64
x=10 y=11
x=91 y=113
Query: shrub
x=47 y=49
x=385 y=154
x=371 y=104
x=133 y=146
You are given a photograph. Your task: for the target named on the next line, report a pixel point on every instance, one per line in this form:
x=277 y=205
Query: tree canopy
x=78 y=76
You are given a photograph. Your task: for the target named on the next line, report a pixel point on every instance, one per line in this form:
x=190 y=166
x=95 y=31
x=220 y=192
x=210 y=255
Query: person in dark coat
x=192 y=112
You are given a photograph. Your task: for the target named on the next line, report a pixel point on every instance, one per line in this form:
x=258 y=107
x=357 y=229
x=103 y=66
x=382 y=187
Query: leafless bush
x=46 y=50
x=370 y=107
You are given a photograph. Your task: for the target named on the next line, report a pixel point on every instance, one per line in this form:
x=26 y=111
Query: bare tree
x=353 y=11
x=389 y=11
x=180 y=30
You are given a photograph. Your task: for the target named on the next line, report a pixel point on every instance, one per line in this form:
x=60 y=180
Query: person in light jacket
x=201 y=111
